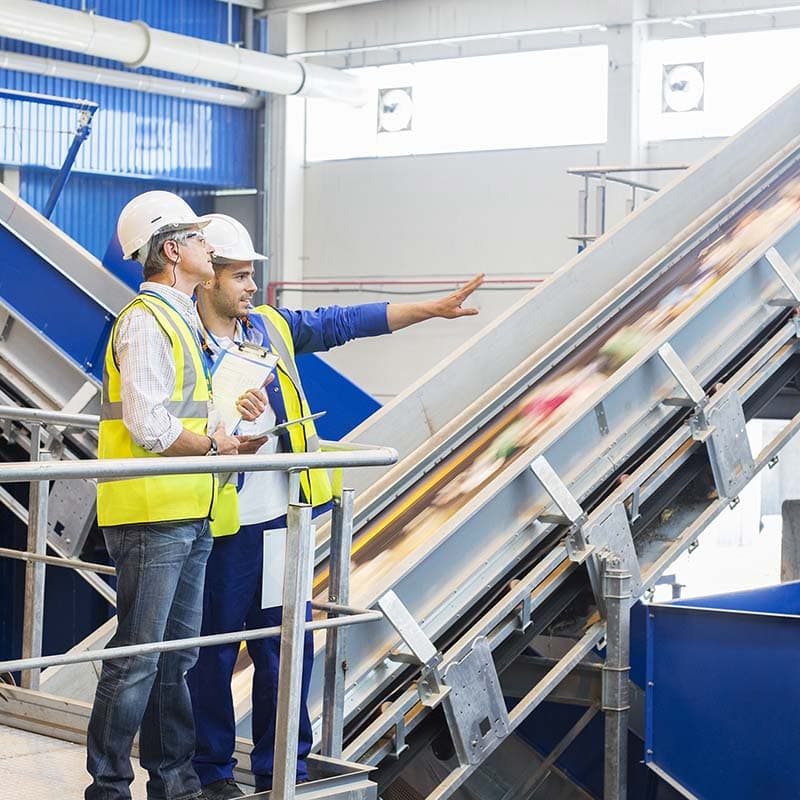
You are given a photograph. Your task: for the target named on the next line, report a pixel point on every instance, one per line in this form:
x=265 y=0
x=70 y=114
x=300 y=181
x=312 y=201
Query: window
x=536 y=99
x=713 y=86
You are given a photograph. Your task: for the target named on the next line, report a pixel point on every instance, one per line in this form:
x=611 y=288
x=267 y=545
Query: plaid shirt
x=147 y=370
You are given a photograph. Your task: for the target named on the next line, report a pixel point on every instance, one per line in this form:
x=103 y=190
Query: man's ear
x=171 y=250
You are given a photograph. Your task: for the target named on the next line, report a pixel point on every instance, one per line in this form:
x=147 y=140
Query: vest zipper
x=211 y=505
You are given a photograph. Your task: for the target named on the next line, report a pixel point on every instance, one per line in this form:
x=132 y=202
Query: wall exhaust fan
x=683 y=88
x=395 y=110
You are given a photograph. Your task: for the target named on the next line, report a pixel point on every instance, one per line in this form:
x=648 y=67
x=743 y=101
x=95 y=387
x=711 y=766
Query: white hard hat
x=149 y=213
x=230 y=239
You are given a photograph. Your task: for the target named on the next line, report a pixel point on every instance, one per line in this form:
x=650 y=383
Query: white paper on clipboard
x=274 y=564
x=237 y=369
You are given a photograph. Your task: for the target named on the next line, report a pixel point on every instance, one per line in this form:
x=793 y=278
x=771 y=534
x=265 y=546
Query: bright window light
x=713 y=86
x=538 y=99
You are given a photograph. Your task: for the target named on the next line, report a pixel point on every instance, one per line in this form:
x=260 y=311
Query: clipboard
x=238 y=367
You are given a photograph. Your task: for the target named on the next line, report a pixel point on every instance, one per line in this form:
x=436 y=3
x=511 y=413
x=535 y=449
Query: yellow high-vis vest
x=161 y=498
x=303 y=438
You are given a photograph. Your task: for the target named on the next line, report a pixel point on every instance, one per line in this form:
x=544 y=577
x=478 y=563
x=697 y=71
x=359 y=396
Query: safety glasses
x=182 y=238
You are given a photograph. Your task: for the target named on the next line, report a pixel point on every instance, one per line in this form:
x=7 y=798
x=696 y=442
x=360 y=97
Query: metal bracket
x=594 y=542
x=399 y=745
x=611 y=537
x=469 y=692
x=788 y=279
x=633 y=512
x=71 y=513
x=721 y=425
x=524 y=617
x=475 y=710
x=80 y=400
x=578 y=547
x=421 y=650
x=602 y=420
x=571 y=512
x=695 y=396
x=430 y=688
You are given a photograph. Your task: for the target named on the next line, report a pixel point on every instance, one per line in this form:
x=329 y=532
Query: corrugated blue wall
x=178 y=144
x=90 y=204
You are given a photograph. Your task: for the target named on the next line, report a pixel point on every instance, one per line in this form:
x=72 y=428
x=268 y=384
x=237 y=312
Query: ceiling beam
x=309 y=6
x=258 y=5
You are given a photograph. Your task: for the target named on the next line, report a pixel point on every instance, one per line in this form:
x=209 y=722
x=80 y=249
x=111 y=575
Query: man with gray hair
x=156 y=395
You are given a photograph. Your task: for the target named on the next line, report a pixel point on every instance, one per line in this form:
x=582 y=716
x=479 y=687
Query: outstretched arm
x=401 y=315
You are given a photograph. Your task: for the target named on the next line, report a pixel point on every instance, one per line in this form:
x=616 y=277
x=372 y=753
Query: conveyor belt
x=460 y=477
x=449 y=527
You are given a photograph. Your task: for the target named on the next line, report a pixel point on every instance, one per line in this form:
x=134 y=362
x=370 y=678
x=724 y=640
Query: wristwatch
x=213 y=449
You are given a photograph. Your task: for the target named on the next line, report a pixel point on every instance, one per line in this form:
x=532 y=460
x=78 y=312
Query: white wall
x=507 y=213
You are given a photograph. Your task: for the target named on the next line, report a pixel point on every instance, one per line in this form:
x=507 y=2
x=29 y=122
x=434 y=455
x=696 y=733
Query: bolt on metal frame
x=41 y=470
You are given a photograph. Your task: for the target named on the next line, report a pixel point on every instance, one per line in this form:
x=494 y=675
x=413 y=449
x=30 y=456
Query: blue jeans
x=232 y=602
x=160 y=572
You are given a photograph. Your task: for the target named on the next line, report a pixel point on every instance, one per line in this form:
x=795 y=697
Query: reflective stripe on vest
x=303 y=437
x=166 y=497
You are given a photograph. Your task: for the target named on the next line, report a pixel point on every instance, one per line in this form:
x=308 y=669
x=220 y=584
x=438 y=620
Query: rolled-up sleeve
x=331 y=326
x=147 y=381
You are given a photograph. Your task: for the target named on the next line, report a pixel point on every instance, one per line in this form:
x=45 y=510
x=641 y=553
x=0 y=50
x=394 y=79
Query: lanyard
x=197 y=343
x=211 y=356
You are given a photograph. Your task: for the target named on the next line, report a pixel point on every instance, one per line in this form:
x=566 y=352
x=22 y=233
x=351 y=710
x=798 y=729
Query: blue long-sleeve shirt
x=311 y=331
x=331 y=326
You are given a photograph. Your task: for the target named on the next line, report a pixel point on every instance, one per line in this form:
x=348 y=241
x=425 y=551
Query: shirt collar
x=182 y=303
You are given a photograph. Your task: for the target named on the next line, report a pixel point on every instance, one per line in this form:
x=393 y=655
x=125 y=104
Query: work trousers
x=160 y=570
x=232 y=602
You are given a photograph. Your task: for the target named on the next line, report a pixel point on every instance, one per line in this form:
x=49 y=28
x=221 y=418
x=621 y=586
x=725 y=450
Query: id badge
x=274 y=565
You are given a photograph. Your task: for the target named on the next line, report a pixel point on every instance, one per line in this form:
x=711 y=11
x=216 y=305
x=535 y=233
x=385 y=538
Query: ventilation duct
x=135 y=44
x=121 y=79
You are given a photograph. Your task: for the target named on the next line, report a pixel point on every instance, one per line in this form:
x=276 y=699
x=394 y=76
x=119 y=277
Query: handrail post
x=33 y=613
x=335 y=640
x=290 y=671
x=294 y=486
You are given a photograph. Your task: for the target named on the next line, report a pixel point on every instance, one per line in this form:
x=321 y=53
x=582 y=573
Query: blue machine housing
x=722 y=694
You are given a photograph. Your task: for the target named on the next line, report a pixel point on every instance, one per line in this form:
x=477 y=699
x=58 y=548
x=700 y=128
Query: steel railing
x=40 y=470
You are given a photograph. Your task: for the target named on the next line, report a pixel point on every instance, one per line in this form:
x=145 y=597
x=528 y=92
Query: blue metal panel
x=723 y=694
x=781 y=599
x=46 y=298
x=90 y=204
x=637 y=642
x=134 y=133
x=328 y=390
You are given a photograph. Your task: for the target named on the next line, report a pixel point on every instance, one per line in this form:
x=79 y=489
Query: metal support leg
x=335 y=641
x=790 y=541
x=35 y=570
x=290 y=676
x=615 y=679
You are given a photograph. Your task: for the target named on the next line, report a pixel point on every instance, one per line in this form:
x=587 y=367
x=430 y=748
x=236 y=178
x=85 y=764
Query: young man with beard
x=233 y=589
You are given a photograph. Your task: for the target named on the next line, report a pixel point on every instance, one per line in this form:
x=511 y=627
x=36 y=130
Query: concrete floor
x=35 y=767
